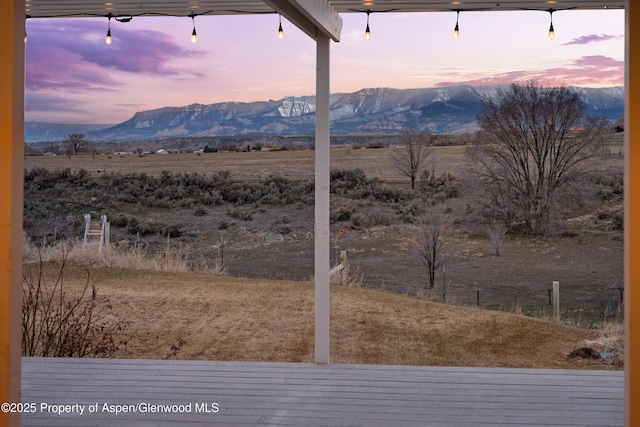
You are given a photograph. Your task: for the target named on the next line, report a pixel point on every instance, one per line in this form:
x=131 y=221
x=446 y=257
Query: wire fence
x=580 y=306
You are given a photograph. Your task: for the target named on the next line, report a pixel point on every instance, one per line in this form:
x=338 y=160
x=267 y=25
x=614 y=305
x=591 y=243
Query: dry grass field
x=202 y=316
x=252 y=314
x=252 y=165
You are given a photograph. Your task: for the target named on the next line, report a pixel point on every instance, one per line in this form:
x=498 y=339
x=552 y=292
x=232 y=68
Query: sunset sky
x=74 y=77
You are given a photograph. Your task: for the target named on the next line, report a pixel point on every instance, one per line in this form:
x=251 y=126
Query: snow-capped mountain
x=375 y=110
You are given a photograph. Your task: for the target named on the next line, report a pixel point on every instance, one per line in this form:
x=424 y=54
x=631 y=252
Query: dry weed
x=59 y=323
x=346 y=274
x=174 y=258
x=610 y=339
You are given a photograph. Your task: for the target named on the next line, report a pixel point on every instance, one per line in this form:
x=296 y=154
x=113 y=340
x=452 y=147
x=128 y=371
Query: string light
x=367 y=32
x=194 y=35
x=552 y=33
x=108 y=39
x=456 y=30
x=280 y=31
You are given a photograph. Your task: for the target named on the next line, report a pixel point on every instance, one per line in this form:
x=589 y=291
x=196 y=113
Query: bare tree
x=430 y=244
x=411 y=158
x=74 y=143
x=535 y=138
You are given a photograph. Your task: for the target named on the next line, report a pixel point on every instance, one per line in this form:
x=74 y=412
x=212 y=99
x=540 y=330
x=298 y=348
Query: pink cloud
x=56 y=67
x=591 y=38
x=600 y=61
x=72 y=54
x=594 y=70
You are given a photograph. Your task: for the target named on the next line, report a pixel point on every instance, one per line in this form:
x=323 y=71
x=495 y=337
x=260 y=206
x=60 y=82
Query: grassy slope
x=200 y=316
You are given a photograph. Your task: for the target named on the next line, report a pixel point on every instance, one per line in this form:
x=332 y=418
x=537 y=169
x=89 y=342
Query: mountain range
x=451 y=109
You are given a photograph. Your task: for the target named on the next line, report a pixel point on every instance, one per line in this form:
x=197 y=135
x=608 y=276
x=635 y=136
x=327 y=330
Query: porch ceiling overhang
x=310 y=16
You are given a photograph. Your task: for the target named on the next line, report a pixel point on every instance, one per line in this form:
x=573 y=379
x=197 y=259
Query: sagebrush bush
x=345 y=181
x=446 y=186
x=408 y=213
x=200 y=212
x=240 y=214
x=616 y=218
x=283 y=225
x=120 y=220
x=358 y=221
x=379 y=219
x=355 y=184
x=341 y=213
x=144 y=228
x=608 y=187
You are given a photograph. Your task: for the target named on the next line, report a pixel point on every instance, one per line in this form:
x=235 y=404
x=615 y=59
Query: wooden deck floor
x=280 y=394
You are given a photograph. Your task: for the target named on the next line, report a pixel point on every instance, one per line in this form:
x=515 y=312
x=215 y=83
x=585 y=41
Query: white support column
x=322 y=231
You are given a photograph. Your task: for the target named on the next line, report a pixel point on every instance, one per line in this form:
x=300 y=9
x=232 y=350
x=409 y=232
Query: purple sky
x=74 y=77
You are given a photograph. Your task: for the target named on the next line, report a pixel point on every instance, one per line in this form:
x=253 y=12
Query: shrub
x=445 y=186
x=386 y=193
x=56 y=323
x=341 y=213
x=211 y=198
x=344 y=181
x=379 y=219
x=615 y=218
x=208 y=149
x=377 y=143
x=173 y=230
x=283 y=226
x=120 y=220
x=358 y=221
x=609 y=187
x=409 y=212
x=240 y=214
x=144 y=228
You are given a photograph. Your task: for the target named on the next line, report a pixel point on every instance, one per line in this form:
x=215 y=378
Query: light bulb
x=367 y=32
x=107 y=39
x=280 y=30
x=194 y=35
x=552 y=33
x=456 y=30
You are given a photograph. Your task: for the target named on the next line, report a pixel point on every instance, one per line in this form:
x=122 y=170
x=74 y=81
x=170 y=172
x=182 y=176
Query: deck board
x=287 y=394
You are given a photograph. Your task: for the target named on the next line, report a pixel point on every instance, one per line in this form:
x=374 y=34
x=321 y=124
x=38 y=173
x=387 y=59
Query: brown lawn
x=202 y=316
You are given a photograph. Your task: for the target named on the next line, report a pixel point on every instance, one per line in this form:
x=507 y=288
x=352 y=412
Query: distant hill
x=41 y=131
x=451 y=109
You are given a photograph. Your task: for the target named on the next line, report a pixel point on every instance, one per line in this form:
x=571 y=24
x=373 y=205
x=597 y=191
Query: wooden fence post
x=556 y=301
